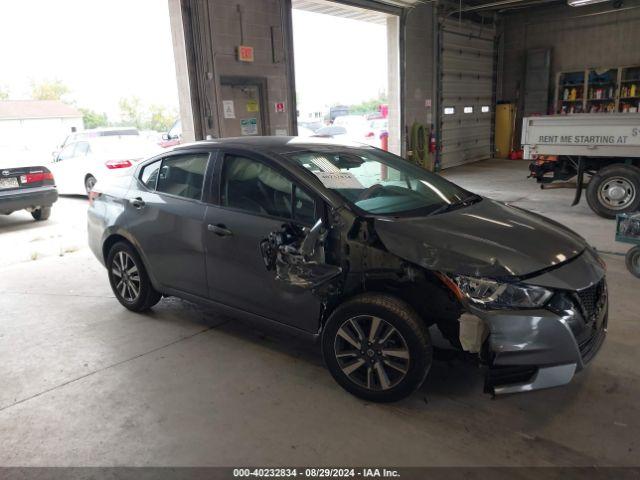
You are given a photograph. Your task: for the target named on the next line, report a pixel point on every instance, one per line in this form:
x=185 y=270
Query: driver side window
x=254 y=187
x=67 y=152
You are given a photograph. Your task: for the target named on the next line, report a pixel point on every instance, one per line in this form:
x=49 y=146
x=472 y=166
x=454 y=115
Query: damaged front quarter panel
x=296 y=255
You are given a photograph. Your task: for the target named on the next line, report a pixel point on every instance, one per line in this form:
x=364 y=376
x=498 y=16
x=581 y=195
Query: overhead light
x=582 y=3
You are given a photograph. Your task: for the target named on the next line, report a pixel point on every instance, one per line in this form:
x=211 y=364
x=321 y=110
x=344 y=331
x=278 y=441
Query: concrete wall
x=212 y=31
x=217 y=28
x=419 y=64
x=579 y=38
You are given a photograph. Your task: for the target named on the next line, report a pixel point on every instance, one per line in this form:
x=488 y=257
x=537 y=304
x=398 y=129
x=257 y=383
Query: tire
x=89 y=183
x=134 y=292
x=632 y=259
x=42 y=213
x=407 y=336
x=614 y=189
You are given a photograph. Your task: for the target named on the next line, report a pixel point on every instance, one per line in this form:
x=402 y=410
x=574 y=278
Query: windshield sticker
x=339 y=180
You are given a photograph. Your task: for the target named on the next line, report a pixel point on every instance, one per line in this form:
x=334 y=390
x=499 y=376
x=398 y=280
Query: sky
x=102 y=50
x=337 y=60
x=106 y=50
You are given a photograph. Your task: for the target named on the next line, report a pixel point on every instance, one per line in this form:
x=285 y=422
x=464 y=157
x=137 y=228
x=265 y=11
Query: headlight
x=491 y=294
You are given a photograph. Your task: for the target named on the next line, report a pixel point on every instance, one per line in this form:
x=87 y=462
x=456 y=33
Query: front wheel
x=614 y=189
x=129 y=280
x=632 y=259
x=377 y=347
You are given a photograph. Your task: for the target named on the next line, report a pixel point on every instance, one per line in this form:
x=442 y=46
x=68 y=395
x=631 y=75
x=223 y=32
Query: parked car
x=360 y=249
x=30 y=188
x=356 y=126
x=96 y=132
x=81 y=163
x=331 y=131
x=173 y=136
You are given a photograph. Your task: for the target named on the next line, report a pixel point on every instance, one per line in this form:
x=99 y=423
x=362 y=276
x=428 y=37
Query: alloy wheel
x=371 y=352
x=616 y=193
x=126 y=276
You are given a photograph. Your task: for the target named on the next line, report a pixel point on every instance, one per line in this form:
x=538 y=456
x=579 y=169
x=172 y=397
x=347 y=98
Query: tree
x=93 y=119
x=48 y=90
x=130 y=112
x=4 y=93
x=159 y=119
x=370 y=106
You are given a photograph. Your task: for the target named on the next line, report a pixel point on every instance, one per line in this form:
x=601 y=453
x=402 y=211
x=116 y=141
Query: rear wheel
x=89 y=183
x=614 y=189
x=129 y=280
x=377 y=348
x=41 y=213
x=632 y=259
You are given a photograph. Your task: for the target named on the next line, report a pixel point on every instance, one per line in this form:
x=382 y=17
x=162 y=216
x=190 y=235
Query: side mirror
x=165 y=136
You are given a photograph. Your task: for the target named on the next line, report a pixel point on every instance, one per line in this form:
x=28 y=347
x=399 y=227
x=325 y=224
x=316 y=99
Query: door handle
x=137 y=202
x=220 y=230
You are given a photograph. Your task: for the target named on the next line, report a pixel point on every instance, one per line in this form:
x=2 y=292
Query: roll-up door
x=467 y=92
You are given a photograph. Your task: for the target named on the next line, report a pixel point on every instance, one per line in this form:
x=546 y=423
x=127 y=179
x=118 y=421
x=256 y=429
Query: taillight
x=114 y=164
x=34 y=177
x=369 y=135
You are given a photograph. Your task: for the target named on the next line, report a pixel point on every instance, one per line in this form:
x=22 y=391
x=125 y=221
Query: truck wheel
x=632 y=259
x=377 y=347
x=41 y=213
x=614 y=189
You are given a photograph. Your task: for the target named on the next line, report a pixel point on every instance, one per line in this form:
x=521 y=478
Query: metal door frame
x=261 y=83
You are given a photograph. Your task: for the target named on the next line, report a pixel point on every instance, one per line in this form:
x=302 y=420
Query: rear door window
x=149 y=174
x=183 y=175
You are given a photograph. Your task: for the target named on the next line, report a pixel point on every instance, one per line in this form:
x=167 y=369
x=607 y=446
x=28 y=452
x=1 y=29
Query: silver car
x=375 y=257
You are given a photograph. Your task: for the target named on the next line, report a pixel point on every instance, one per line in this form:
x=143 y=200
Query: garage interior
x=86 y=382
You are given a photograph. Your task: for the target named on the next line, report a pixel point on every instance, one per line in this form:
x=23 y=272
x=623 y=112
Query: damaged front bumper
x=534 y=349
x=530 y=350
x=541 y=348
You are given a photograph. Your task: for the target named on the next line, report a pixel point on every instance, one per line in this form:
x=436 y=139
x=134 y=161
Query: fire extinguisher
x=432 y=142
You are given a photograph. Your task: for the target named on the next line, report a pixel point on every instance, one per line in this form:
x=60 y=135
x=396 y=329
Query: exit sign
x=245 y=53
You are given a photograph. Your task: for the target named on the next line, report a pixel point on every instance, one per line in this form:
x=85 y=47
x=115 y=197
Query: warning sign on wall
x=245 y=53
x=252 y=106
x=279 y=107
x=228 y=109
x=249 y=126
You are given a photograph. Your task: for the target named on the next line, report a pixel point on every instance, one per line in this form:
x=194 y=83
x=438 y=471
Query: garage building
x=450 y=64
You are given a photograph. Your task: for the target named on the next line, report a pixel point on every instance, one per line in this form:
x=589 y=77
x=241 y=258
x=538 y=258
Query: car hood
x=488 y=239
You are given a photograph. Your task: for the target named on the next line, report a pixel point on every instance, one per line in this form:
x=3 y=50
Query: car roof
x=276 y=144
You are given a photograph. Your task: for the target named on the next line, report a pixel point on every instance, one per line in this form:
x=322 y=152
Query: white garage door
x=467 y=92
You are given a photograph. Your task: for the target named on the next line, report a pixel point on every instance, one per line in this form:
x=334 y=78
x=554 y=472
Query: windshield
x=381 y=183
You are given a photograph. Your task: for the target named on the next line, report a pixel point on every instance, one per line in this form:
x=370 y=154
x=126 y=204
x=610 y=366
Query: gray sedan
x=372 y=255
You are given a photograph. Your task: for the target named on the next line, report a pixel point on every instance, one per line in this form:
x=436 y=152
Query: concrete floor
x=85 y=382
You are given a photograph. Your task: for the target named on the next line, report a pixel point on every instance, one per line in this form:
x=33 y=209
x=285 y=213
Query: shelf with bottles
x=629 y=105
x=602 y=89
x=629 y=90
x=571 y=107
x=570 y=92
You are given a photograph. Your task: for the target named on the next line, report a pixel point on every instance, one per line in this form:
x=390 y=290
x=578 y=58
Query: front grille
x=592 y=301
x=589 y=299
x=589 y=347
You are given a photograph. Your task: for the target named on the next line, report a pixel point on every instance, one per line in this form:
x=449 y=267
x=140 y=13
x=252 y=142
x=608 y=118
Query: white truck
x=599 y=152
